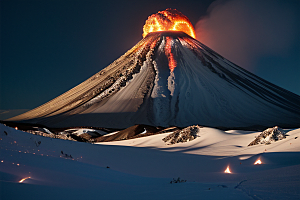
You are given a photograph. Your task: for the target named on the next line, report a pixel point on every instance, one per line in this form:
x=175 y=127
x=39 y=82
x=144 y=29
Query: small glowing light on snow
x=227 y=170
x=2 y=161
x=16 y=128
x=258 y=162
x=18 y=164
x=23 y=179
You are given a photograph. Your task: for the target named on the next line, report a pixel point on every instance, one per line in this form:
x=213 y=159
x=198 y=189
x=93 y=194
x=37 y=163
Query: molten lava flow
x=168 y=20
x=153 y=44
x=258 y=162
x=23 y=179
x=169 y=54
x=227 y=170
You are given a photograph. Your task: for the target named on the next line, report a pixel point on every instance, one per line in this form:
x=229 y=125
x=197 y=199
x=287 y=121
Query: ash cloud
x=245 y=30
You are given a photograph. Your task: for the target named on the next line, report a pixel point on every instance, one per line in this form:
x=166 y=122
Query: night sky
x=49 y=46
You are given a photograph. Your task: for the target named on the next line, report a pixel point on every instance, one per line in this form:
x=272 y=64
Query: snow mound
x=187 y=134
x=132 y=132
x=82 y=131
x=268 y=136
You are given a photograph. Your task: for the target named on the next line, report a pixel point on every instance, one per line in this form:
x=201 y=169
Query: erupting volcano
x=170 y=79
x=168 y=20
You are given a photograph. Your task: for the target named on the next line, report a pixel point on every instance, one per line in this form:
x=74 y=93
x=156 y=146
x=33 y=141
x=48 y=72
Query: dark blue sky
x=49 y=46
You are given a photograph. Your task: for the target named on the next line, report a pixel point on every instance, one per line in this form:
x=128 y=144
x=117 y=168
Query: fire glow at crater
x=168 y=20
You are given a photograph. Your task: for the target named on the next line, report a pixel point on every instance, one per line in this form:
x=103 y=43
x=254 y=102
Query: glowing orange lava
x=227 y=170
x=171 y=59
x=168 y=20
x=258 y=162
x=23 y=179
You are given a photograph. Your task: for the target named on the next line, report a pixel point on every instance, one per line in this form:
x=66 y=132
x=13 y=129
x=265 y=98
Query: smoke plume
x=244 y=30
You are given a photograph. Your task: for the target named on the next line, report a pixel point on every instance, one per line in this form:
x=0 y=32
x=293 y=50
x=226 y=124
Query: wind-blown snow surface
x=140 y=88
x=143 y=168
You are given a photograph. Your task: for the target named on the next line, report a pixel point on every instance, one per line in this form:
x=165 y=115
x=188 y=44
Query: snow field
x=143 y=168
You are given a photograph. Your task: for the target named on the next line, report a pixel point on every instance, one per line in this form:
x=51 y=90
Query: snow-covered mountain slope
x=143 y=168
x=5 y=114
x=171 y=79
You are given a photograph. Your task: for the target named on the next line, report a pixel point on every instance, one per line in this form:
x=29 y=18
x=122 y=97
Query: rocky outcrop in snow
x=51 y=135
x=187 y=134
x=268 y=136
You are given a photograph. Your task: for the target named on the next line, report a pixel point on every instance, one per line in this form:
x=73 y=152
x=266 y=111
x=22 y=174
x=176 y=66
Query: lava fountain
x=168 y=20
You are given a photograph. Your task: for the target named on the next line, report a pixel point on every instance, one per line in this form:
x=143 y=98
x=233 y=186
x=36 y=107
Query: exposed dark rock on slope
x=187 y=134
x=269 y=136
x=129 y=133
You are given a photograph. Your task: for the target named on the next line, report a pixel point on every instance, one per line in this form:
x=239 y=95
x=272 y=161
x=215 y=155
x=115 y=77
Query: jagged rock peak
x=269 y=136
